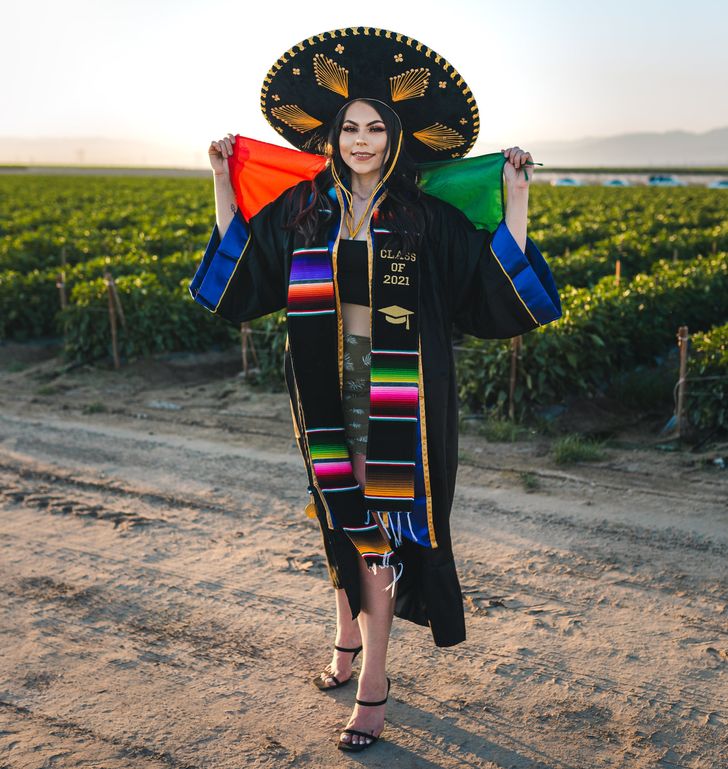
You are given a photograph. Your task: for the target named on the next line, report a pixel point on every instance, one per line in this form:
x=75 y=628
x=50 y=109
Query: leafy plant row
x=89 y=217
x=636 y=253
x=604 y=330
x=159 y=318
x=707 y=378
x=580 y=231
x=30 y=302
x=561 y=218
x=150 y=232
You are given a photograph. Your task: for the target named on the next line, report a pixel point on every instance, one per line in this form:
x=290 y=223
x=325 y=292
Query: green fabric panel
x=474 y=185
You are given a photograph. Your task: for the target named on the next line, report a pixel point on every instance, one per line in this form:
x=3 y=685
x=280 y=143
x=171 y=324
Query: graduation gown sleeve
x=495 y=290
x=243 y=275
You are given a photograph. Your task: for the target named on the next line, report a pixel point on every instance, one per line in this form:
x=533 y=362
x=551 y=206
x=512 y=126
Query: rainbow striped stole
x=394 y=401
x=311 y=283
x=314 y=327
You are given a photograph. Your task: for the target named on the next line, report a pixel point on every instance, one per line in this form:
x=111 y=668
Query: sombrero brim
x=308 y=85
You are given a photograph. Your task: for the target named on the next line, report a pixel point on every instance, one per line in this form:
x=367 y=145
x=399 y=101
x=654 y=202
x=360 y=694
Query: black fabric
x=353 y=272
x=460 y=281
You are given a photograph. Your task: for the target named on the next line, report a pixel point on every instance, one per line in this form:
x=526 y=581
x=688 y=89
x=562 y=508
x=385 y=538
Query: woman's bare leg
x=375 y=622
x=347 y=635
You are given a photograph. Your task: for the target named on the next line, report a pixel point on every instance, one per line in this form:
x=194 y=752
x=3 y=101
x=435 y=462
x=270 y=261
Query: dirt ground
x=165 y=600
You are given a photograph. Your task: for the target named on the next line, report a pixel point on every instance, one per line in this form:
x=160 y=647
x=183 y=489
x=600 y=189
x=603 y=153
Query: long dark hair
x=402 y=211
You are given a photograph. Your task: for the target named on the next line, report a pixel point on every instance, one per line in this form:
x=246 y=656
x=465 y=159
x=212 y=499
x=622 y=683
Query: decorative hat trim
x=437 y=108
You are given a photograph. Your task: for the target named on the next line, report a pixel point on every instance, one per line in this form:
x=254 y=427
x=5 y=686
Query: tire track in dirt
x=664 y=539
x=151 y=622
x=193 y=615
x=652 y=485
x=66 y=501
x=590 y=475
x=192 y=647
x=640 y=482
x=114 y=752
x=60 y=495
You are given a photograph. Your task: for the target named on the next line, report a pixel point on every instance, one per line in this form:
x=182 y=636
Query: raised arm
x=243 y=272
x=225 y=203
x=517 y=184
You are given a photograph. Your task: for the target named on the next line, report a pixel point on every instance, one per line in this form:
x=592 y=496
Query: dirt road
x=165 y=600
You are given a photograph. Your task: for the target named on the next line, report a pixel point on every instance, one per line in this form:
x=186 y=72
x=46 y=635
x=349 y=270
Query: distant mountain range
x=672 y=148
x=98 y=151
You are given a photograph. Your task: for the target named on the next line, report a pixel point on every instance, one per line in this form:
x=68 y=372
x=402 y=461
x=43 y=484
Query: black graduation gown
x=479 y=281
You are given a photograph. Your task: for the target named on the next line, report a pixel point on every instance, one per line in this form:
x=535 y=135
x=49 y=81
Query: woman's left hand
x=515 y=169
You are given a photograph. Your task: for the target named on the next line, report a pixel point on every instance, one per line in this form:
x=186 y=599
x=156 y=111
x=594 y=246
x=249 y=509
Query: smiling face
x=363 y=140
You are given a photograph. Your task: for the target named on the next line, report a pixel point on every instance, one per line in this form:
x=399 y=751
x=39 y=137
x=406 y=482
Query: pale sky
x=186 y=71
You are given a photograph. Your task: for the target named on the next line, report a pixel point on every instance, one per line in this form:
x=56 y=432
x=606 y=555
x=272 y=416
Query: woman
x=374 y=273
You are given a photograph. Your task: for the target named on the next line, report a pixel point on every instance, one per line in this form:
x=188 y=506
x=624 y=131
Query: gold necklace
x=350 y=198
x=353 y=230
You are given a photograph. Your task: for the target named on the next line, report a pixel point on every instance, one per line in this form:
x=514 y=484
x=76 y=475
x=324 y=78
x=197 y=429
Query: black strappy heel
x=362 y=745
x=319 y=682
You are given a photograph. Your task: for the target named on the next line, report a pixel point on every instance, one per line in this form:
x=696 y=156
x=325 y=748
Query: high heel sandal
x=362 y=745
x=319 y=681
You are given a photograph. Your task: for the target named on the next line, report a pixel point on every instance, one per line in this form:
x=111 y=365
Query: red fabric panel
x=260 y=172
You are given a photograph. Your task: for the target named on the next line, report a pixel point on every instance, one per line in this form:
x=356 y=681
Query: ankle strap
x=374 y=704
x=344 y=649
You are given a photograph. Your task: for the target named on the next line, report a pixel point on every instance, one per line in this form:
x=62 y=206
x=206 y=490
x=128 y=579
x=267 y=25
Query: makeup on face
x=363 y=139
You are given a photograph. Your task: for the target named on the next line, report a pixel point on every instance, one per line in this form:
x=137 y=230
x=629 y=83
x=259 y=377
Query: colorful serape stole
x=393 y=411
x=313 y=330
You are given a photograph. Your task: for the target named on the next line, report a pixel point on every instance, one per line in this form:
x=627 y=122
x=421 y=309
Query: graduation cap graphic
x=396 y=314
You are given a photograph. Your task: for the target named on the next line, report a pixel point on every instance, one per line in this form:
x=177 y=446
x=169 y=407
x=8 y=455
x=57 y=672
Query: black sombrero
x=305 y=89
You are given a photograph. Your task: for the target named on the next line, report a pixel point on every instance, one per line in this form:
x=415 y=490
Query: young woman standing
x=374 y=273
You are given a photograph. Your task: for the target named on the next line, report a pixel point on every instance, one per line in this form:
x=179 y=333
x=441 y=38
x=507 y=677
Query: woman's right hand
x=219 y=153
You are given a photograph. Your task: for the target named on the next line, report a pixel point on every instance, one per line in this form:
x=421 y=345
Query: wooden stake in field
x=617 y=271
x=61 y=286
x=246 y=340
x=682 y=343
x=112 y=318
x=61 y=282
x=515 y=352
x=117 y=303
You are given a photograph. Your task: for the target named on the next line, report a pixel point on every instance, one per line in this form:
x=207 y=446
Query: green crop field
x=150 y=232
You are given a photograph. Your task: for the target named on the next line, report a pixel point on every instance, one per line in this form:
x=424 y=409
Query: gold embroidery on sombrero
x=439 y=137
x=391 y=50
x=410 y=84
x=292 y=115
x=331 y=75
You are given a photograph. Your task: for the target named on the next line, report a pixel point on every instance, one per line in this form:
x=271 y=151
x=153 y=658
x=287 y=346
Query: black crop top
x=353 y=271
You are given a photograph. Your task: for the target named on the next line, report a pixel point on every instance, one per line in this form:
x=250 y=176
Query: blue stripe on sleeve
x=218 y=263
x=529 y=274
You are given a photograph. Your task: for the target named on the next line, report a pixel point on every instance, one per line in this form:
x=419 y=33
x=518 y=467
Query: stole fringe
x=397 y=570
x=396 y=576
x=396 y=531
